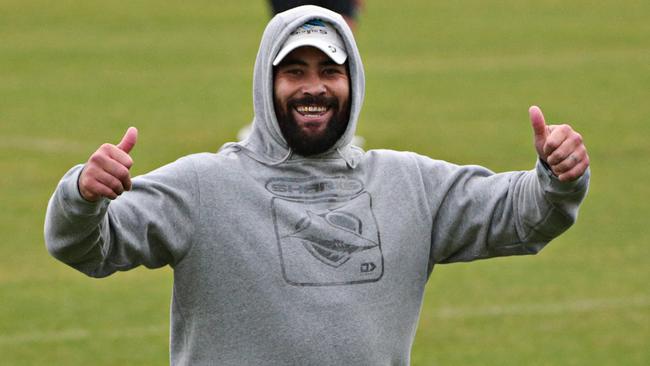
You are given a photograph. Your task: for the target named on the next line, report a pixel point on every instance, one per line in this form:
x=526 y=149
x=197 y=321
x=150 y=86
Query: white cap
x=318 y=34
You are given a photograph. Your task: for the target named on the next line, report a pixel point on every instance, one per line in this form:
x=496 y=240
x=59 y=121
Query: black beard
x=306 y=145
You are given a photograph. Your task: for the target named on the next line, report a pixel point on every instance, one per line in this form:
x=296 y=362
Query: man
x=347 y=8
x=294 y=247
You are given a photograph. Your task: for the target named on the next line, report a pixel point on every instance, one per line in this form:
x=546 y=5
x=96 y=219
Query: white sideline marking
x=578 y=306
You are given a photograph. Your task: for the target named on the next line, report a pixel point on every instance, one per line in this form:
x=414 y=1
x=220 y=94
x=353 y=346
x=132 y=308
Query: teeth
x=311 y=108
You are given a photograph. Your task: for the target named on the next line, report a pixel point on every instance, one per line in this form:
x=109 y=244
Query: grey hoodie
x=284 y=260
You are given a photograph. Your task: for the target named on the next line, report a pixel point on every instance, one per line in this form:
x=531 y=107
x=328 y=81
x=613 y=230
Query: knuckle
x=126 y=165
x=96 y=158
x=550 y=146
x=576 y=138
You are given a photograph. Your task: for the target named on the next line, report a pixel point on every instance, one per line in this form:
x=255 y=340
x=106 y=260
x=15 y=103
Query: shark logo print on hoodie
x=326 y=231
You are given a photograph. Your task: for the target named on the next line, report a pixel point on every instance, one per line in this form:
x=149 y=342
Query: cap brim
x=336 y=53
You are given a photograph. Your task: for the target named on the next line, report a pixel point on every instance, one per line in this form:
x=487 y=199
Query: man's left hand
x=560 y=147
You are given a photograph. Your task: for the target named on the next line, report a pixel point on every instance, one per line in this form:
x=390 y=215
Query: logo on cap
x=315 y=33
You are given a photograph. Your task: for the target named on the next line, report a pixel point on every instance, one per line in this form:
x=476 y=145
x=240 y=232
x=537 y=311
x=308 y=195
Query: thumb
x=129 y=140
x=539 y=128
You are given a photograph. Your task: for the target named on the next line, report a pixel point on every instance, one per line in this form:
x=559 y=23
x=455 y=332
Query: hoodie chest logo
x=313 y=187
x=326 y=231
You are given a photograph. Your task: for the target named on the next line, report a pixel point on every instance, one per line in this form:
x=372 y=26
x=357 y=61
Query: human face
x=312 y=100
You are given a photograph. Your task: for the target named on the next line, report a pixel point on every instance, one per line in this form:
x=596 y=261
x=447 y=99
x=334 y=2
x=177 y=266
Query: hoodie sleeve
x=151 y=225
x=478 y=214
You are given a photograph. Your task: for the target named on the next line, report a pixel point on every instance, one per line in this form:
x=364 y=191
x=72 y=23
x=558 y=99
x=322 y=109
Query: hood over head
x=266 y=142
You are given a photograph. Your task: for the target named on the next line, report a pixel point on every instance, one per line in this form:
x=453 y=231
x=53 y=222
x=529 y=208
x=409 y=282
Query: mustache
x=329 y=102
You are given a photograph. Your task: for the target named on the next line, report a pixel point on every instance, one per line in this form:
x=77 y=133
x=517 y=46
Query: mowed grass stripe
x=501 y=310
x=75 y=334
x=558 y=308
x=43 y=144
x=548 y=61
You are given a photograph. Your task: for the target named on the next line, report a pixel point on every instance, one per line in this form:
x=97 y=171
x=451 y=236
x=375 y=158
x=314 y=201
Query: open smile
x=312 y=118
x=311 y=111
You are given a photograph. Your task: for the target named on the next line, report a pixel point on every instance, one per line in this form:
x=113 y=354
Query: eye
x=332 y=71
x=294 y=71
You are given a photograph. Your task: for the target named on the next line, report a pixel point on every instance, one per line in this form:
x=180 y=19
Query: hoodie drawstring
x=286 y=157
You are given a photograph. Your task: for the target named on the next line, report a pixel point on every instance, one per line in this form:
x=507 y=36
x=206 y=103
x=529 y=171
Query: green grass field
x=448 y=79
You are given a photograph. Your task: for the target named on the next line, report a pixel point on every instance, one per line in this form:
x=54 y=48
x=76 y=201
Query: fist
x=106 y=174
x=560 y=147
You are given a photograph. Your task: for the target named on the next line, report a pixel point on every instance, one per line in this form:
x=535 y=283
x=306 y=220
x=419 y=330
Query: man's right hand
x=106 y=173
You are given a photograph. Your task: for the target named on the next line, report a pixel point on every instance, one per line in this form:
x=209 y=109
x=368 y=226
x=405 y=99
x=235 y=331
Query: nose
x=313 y=85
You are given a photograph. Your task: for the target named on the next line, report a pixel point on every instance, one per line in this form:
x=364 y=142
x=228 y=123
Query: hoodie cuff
x=550 y=182
x=71 y=198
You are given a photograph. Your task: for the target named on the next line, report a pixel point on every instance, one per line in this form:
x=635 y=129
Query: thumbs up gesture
x=106 y=173
x=559 y=146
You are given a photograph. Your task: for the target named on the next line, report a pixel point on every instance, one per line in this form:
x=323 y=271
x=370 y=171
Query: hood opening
x=266 y=142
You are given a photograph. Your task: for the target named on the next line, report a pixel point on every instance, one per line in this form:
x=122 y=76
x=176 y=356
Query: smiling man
x=312 y=90
x=294 y=247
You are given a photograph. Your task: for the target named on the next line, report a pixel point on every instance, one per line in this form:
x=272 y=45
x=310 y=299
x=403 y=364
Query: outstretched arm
x=480 y=214
x=100 y=221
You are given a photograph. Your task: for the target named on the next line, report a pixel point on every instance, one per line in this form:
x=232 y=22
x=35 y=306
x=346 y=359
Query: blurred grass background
x=452 y=80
